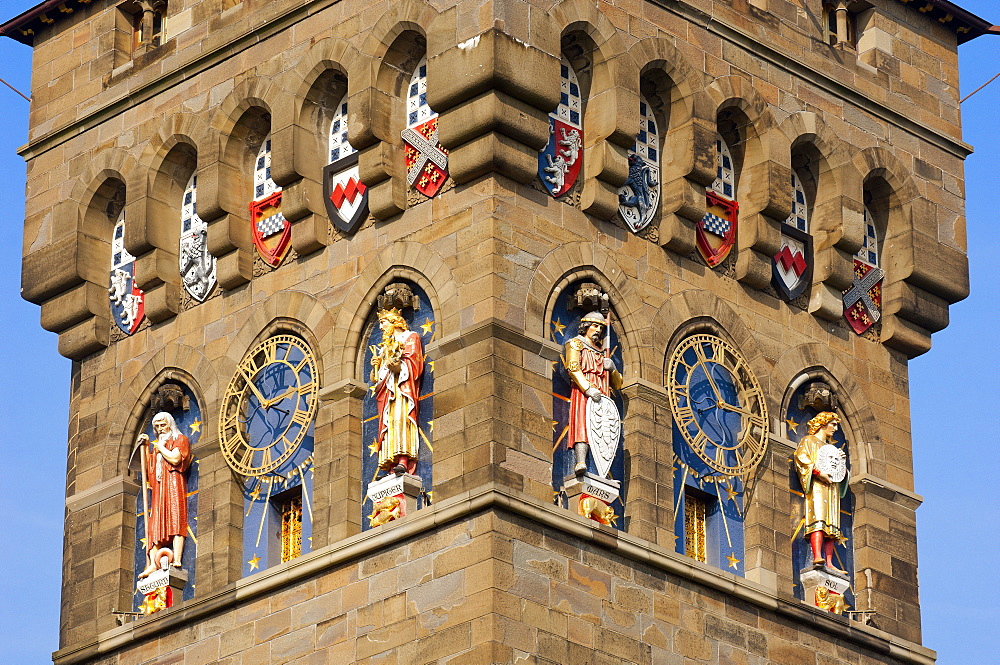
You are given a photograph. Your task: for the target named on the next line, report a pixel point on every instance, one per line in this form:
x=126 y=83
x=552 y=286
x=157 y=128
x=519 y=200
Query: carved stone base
x=162 y=589
x=393 y=497
x=825 y=588
x=593 y=496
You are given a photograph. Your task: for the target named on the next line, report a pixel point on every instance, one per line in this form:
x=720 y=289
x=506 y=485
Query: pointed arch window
x=340 y=147
x=197 y=265
x=346 y=197
x=271 y=231
x=426 y=158
x=126 y=297
x=263 y=186
x=560 y=160
x=639 y=197
x=725 y=173
x=868 y=254
x=799 y=218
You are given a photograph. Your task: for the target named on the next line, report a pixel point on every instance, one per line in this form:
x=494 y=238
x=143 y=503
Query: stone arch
x=611 y=104
x=687 y=100
x=239 y=124
x=807 y=127
x=894 y=197
x=402 y=260
x=90 y=190
x=286 y=311
x=320 y=78
x=173 y=362
x=736 y=93
x=568 y=263
x=695 y=310
x=815 y=360
x=166 y=163
x=763 y=159
x=394 y=46
x=877 y=161
x=890 y=189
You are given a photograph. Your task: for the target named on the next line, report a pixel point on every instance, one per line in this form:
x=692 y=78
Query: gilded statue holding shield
x=822 y=469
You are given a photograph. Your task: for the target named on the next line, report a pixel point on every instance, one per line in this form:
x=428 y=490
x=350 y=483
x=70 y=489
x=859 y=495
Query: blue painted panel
x=190 y=424
x=796 y=419
x=420 y=320
x=564 y=326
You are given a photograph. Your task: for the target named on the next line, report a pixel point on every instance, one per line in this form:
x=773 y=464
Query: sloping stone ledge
x=497 y=498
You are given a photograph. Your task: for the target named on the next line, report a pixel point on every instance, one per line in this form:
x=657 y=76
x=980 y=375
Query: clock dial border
x=752 y=404
x=239 y=452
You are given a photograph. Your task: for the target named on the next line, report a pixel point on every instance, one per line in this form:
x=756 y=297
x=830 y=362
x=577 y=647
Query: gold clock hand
x=282 y=396
x=711 y=381
x=253 y=387
x=730 y=407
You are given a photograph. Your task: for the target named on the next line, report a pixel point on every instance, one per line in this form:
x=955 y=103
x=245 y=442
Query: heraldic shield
x=604 y=425
x=426 y=159
x=639 y=196
x=272 y=233
x=559 y=163
x=863 y=301
x=345 y=195
x=791 y=271
x=127 y=306
x=716 y=232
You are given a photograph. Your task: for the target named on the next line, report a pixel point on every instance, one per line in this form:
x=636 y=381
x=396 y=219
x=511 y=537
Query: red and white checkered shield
x=716 y=232
x=272 y=233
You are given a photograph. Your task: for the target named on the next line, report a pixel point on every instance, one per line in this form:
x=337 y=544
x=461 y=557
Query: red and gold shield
x=717 y=228
x=272 y=233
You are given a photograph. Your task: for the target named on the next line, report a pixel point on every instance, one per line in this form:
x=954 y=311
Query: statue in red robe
x=592 y=374
x=166 y=463
x=397 y=368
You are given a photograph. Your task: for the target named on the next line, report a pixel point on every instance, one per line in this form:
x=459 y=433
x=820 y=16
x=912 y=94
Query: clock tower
x=505 y=331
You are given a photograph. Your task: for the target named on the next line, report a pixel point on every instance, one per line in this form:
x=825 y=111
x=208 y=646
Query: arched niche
x=574 y=298
x=398 y=409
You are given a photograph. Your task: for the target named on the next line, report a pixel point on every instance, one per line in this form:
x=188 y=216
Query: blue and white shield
x=639 y=197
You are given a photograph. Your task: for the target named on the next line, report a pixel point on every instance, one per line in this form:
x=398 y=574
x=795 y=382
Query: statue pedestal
x=593 y=496
x=162 y=589
x=825 y=588
x=393 y=497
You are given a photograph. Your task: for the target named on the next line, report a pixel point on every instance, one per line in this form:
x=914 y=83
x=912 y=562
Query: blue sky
x=955 y=402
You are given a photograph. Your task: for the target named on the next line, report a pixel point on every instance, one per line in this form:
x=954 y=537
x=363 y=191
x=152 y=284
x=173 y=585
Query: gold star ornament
x=195 y=426
x=733 y=561
x=254 y=563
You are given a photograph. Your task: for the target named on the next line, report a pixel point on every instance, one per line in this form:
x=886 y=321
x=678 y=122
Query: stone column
x=337 y=452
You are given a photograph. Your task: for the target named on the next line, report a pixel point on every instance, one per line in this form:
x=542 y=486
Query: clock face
x=718 y=404
x=269 y=406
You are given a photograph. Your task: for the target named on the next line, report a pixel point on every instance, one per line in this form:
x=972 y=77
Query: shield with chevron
x=791 y=270
x=863 y=301
x=345 y=195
